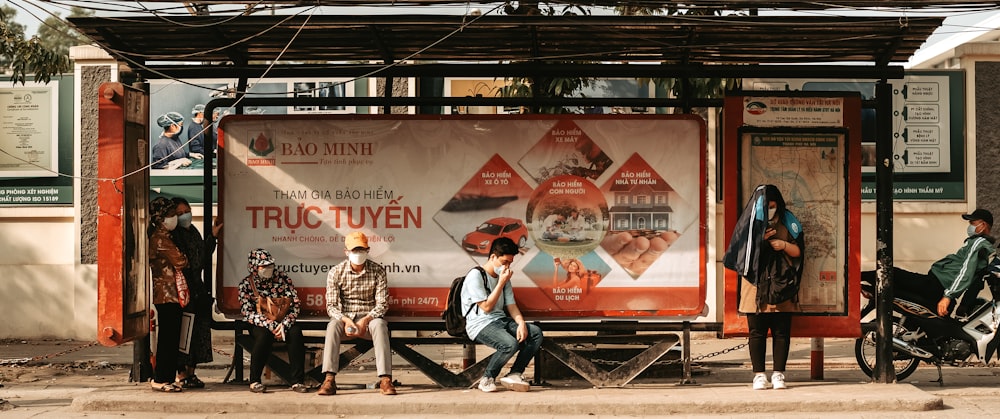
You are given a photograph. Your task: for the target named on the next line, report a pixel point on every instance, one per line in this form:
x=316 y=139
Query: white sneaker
x=487 y=385
x=514 y=381
x=760 y=382
x=778 y=381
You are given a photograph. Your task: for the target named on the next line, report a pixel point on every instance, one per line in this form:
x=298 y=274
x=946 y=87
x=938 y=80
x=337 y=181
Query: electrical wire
x=312 y=9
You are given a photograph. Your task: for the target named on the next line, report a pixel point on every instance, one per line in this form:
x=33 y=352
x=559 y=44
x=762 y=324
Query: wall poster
x=29 y=132
x=178 y=165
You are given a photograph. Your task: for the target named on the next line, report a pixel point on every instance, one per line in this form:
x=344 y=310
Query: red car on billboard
x=479 y=241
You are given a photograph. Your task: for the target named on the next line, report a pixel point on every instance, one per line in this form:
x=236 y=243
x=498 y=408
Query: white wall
x=44 y=292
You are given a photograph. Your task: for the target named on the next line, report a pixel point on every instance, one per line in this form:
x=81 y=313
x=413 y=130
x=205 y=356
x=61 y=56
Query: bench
x=608 y=332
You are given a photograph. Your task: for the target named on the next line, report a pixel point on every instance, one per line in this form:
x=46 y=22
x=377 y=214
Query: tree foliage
x=552 y=87
x=57 y=35
x=20 y=57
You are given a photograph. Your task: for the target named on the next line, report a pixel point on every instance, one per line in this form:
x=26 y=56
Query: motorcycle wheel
x=864 y=352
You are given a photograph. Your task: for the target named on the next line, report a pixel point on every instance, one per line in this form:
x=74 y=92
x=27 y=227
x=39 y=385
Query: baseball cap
x=979 y=214
x=355 y=240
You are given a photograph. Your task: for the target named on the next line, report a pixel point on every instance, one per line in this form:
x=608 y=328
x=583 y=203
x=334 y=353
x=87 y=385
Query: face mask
x=357 y=258
x=170 y=223
x=266 y=272
x=771 y=212
x=499 y=269
x=184 y=220
x=971 y=230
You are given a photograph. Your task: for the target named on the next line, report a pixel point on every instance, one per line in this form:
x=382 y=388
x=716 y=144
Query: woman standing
x=165 y=261
x=766 y=250
x=266 y=327
x=198 y=251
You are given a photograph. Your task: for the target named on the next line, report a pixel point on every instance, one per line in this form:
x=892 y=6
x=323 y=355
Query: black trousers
x=923 y=289
x=263 y=343
x=168 y=338
x=780 y=326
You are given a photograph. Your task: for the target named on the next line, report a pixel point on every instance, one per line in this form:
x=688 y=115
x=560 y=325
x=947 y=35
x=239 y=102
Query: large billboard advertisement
x=609 y=212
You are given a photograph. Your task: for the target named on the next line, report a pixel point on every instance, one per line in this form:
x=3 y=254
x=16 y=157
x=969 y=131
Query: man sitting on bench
x=357 y=298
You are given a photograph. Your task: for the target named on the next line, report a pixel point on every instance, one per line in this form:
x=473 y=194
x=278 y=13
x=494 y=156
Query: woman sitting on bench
x=270 y=304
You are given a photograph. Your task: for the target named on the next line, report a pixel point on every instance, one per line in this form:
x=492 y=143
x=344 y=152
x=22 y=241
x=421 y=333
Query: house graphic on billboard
x=641 y=198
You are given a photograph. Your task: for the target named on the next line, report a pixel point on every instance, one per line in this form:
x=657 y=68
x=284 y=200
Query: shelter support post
x=686 y=356
x=816 y=358
x=884 y=370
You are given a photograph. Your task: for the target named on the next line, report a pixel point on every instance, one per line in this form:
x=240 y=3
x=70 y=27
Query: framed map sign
x=807 y=144
x=808 y=169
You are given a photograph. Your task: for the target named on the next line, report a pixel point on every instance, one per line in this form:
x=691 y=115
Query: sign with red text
x=607 y=211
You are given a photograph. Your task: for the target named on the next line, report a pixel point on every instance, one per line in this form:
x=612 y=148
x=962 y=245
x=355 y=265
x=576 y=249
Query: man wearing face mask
x=951 y=276
x=489 y=325
x=169 y=153
x=196 y=132
x=357 y=298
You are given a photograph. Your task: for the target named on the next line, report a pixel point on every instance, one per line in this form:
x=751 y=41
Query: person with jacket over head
x=265 y=281
x=766 y=250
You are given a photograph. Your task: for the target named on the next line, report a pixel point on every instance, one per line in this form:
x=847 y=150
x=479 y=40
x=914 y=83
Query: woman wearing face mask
x=198 y=251
x=769 y=243
x=266 y=281
x=164 y=260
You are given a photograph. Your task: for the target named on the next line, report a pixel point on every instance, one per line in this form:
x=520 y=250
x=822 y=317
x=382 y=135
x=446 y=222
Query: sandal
x=165 y=388
x=191 y=382
x=257 y=388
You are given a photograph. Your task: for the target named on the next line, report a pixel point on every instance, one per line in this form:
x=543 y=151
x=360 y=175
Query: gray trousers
x=378 y=333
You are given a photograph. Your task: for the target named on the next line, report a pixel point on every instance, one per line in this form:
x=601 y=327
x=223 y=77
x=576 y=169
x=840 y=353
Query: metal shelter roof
x=349 y=45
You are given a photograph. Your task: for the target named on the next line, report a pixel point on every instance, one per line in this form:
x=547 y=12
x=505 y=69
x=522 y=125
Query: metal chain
x=21 y=361
x=679 y=360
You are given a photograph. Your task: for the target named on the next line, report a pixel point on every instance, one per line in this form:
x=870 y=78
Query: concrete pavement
x=68 y=379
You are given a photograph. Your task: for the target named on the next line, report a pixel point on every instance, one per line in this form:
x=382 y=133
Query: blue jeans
x=501 y=335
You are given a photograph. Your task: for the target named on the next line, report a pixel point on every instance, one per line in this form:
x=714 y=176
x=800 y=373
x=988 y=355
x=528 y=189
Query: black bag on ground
x=454 y=318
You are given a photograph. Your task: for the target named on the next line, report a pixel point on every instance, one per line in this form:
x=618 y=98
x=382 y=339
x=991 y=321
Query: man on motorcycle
x=951 y=276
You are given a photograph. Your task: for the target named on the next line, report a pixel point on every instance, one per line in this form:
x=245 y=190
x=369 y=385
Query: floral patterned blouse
x=164 y=259
x=279 y=285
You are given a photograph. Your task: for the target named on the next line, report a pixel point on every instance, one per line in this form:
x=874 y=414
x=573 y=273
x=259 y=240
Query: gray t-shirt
x=473 y=293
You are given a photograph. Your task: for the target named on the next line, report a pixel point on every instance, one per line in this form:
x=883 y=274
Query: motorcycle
x=919 y=334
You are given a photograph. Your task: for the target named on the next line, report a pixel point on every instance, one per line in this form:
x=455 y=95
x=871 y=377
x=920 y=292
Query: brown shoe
x=385 y=386
x=329 y=386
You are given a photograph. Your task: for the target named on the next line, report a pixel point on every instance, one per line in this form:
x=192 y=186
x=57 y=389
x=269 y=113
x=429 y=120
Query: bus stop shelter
x=787 y=40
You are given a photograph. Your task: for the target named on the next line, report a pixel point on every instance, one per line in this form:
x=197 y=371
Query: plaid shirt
x=353 y=294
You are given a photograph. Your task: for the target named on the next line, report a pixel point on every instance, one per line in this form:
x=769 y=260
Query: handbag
x=273 y=308
x=183 y=294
